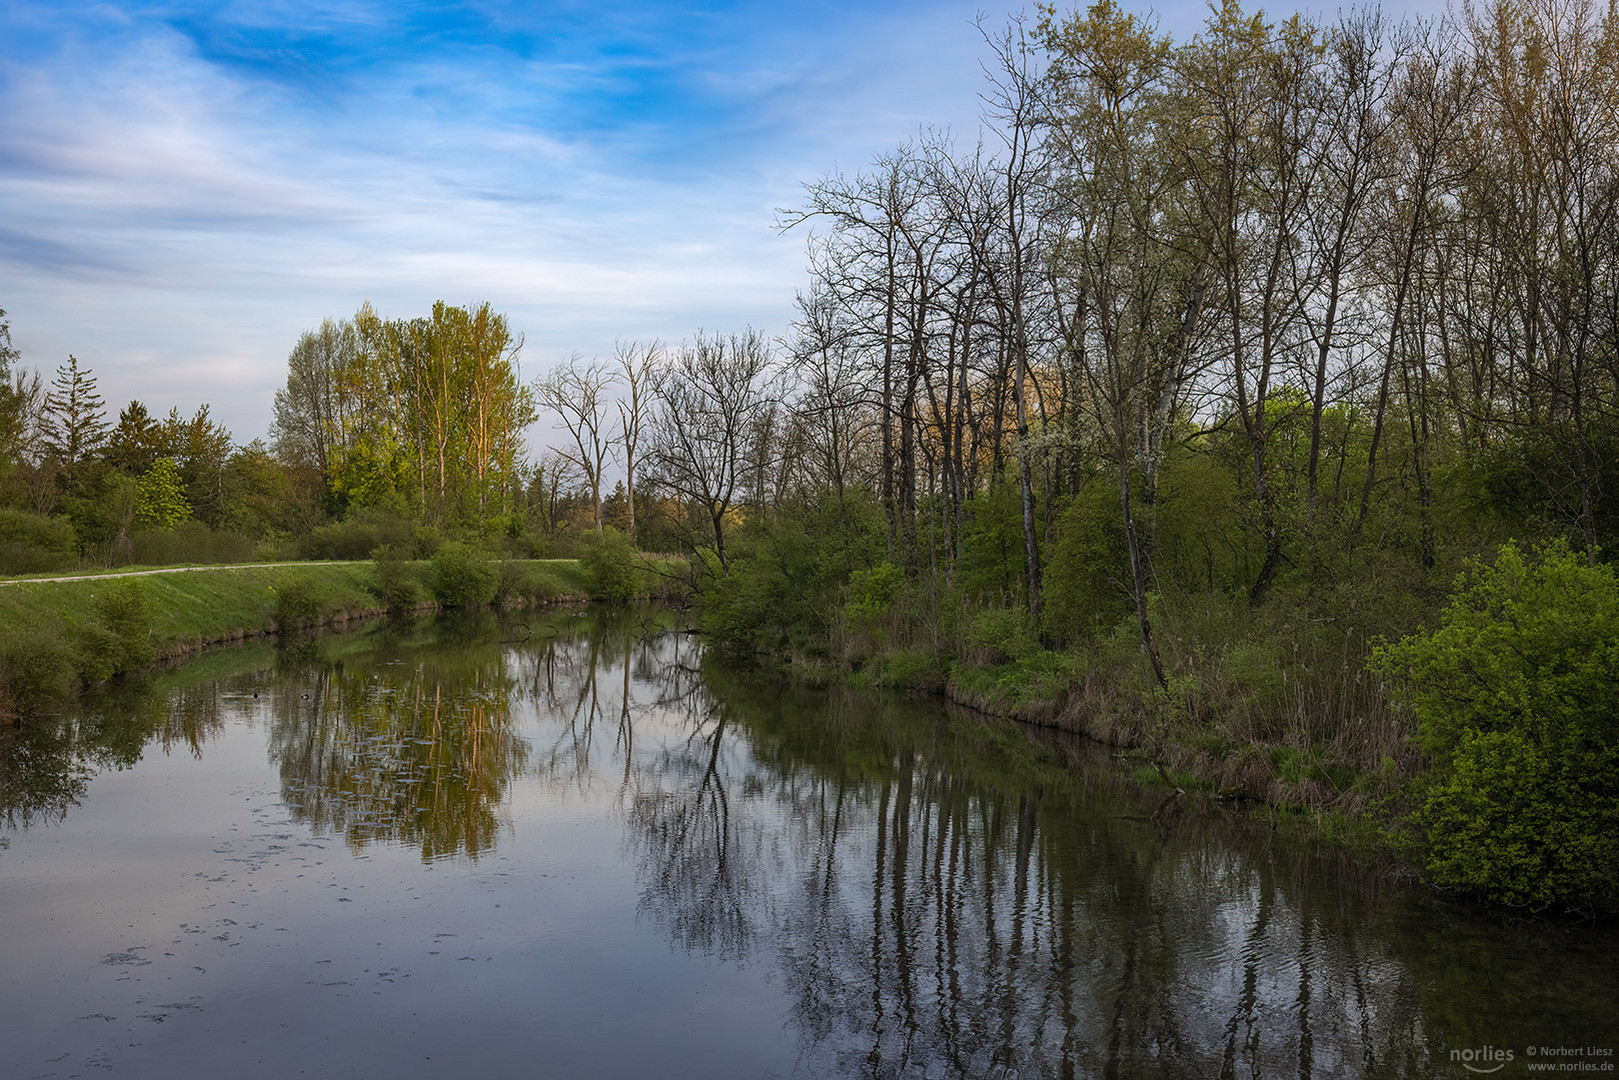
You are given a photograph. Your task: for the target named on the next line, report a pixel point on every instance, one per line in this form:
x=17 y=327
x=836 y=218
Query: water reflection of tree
x=935 y=913
x=411 y=745
x=46 y=765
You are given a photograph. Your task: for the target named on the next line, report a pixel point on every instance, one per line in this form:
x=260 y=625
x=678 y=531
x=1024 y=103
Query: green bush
x=463 y=576
x=1002 y=634
x=396 y=585
x=1514 y=695
x=871 y=594
x=788 y=577
x=358 y=536
x=1084 y=590
x=611 y=573
x=34 y=544
x=36 y=670
x=191 y=543
x=297 y=604
x=123 y=611
x=912 y=669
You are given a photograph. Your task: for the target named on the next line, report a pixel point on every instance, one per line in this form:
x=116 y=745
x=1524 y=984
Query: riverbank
x=1200 y=742
x=57 y=637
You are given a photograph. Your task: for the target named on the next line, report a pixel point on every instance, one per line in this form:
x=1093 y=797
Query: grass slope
x=55 y=637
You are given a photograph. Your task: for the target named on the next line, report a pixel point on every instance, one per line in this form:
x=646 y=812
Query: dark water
x=413 y=850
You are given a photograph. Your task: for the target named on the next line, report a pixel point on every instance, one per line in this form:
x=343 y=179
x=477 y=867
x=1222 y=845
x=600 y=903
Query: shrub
x=1514 y=698
x=1002 y=634
x=357 y=537
x=395 y=585
x=120 y=639
x=871 y=593
x=611 y=573
x=36 y=669
x=296 y=604
x=1089 y=558
x=122 y=610
x=912 y=669
x=33 y=543
x=788 y=577
x=190 y=543
x=463 y=576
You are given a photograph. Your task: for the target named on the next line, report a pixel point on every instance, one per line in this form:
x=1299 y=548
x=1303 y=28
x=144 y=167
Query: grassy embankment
x=58 y=637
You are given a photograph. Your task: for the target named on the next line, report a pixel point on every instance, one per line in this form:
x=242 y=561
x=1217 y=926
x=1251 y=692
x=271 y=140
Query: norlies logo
x=1486 y=1059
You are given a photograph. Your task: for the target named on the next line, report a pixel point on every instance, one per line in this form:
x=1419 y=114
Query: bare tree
x=638 y=366
x=576 y=391
x=711 y=401
x=1014 y=105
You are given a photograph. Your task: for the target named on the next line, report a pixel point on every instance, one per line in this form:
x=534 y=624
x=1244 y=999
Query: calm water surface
x=595 y=853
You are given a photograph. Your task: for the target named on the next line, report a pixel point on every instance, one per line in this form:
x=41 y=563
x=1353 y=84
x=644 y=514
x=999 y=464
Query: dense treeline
x=1325 y=267
x=398 y=434
x=74 y=484
x=1206 y=368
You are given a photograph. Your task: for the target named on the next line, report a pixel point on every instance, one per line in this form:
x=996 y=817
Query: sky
x=190 y=185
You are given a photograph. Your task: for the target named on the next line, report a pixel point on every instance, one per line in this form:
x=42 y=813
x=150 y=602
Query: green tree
x=12 y=417
x=76 y=425
x=421 y=416
x=1514 y=694
x=160 y=499
x=201 y=449
x=259 y=493
x=136 y=442
x=8 y=354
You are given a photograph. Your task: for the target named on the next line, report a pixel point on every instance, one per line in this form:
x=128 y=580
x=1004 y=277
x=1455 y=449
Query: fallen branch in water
x=1170 y=784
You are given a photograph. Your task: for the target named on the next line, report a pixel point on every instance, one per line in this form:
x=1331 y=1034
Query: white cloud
x=177 y=222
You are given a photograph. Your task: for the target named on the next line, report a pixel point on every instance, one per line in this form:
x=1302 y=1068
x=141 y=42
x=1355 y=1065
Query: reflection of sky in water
x=423 y=847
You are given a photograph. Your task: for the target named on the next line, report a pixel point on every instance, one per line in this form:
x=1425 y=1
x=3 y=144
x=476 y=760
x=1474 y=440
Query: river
x=582 y=848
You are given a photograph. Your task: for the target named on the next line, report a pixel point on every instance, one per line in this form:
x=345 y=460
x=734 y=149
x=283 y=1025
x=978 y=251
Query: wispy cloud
x=191 y=185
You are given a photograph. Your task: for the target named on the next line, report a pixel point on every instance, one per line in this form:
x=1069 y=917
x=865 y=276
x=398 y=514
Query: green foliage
x=785 y=588
x=124 y=611
x=872 y=594
x=993 y=553
x=1524 y=823
x=1530 y=479
x=912 y=669
x=1197 y=538
x=611 y=573
x=36 y=670
x=33 y=543
x=1002 y=635
x=1089 y=566
x=191 y=543
x=120 y=639
x=257 y=496
x=396 y=584
x=358 y=536
x=160 y=498
x=102 y=517
x=297 y=604
x=1514 y=696
x=463 y=576
x=1038 y=677
x=433 y=410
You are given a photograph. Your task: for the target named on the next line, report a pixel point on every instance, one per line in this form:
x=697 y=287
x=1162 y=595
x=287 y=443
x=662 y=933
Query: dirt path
x=165 y=570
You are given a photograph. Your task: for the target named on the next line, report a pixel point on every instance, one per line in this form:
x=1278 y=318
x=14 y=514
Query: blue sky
x=190 y=185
